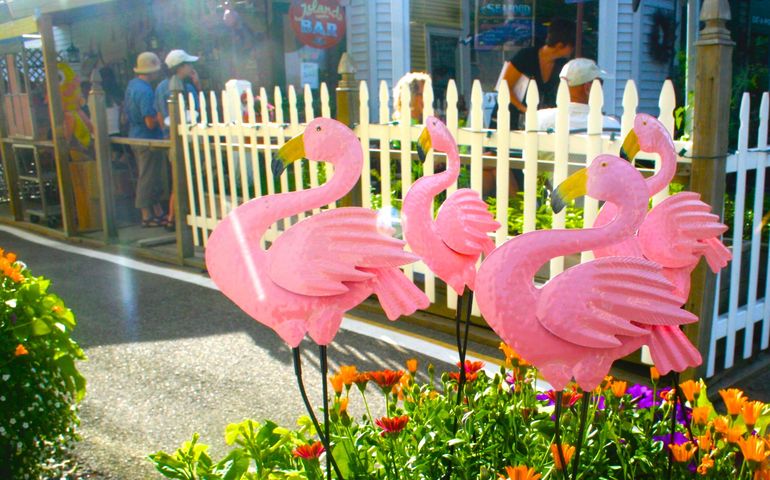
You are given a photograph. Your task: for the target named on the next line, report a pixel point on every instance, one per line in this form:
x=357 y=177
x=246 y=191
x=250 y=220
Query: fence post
x=98 y=111
x=347 y=113
x=713 y=60
x=184 y=242
x=9 y=169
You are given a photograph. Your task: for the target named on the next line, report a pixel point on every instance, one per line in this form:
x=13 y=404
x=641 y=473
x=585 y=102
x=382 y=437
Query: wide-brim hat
x=147 y=62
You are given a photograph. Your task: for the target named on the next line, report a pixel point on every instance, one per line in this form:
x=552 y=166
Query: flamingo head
x=324 y=140
x=646 y=136
x=608 y=178
x=435 y=135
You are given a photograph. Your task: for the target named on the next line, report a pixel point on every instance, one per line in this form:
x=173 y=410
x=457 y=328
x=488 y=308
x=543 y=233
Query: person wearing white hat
x=179 y=64
x=143 y=122
x=580 y=74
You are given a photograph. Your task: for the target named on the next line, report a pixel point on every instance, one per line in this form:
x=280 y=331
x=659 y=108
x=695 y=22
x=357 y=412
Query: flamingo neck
x=543 y=245
x=272 y=208
x=663 y=146
x=426 y=188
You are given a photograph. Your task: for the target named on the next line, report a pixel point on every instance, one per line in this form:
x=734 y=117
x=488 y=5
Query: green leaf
x=234 y=465
x=341 y=453
x=76 y=381
x=39 y=327
x=168 y=465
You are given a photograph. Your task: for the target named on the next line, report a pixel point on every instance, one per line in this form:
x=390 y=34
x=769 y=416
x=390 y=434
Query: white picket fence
x=228 y=162
x=747 y=316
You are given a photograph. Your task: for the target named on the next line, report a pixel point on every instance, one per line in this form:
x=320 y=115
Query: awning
x=20 y=16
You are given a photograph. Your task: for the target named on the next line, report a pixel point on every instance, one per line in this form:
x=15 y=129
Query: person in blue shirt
x=180 y=64
x=139 y=107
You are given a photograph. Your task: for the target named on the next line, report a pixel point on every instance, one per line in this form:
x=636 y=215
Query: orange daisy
x=619 y=388
x=386 y=378
x=700 y=415
x=734 y=400
x=411 y=365
x=566 y=449
x=520 y=472
x=654 y=374
x=684 y=452
x=691 y=389
x=706 y=464
x=20 y=350
x=753 y=449
x=751 y=411
x=309 y=452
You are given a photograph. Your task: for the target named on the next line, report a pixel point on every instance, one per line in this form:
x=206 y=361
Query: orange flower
x=751 y=411
x=20 y=350
x=706 y=463
x=411 y=365
x=343 y=405
x=691 y=389
x=753 y=449
x=704 y=441
x=398 y=389
x=520 y=472
x=734 y=400
x=721 y=424
x=392 y=426
x=619 y=388
x=309 y=452
x=469 y=377
x=763 y=473
x=386 y=378
x=512 y=359
x=682 y=453
x=566 y=449
x=472 y=367
x=654 y=374
x=9 y=268
x=700 y=415
x=348 y=374
x=734 y=434
x=361 y=380
x=337 y=383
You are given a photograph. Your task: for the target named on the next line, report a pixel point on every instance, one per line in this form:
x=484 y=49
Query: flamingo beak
x=630 y=147
x=290 y=152
x=570 y=189
x=423 y=144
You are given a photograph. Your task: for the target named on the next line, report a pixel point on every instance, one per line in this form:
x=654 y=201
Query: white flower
x=13 y=421
x=25 y=425
x=2 y=398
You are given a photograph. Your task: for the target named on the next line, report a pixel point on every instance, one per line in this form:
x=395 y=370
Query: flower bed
x=40 y=385
x=506 y=429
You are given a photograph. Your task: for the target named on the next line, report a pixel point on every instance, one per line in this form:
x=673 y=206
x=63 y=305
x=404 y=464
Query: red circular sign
x=317 y=23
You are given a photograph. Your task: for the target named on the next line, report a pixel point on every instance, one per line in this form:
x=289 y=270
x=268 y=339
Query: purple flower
x=510 y=379
x=600 y=405
x=679 y=438
x=642 y=396
x=543 y=396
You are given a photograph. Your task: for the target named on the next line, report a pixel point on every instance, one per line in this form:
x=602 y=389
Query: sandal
x=153 y=222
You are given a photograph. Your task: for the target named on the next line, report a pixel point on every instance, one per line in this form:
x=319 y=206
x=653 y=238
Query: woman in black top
x=541 y=64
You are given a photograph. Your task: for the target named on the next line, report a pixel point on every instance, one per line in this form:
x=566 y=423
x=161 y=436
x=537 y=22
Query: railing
x=227 y=163
x=742 y=313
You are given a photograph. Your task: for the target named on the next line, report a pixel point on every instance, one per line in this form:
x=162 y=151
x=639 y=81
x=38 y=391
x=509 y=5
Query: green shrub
x=40 y=386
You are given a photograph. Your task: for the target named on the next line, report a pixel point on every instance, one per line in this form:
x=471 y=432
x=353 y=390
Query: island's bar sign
x=317 y=23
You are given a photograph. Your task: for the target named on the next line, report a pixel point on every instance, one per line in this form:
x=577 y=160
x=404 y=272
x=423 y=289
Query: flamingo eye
x=317 y=129
x=604 y=164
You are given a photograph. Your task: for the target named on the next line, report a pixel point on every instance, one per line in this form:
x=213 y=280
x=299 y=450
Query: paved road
x=169 y=357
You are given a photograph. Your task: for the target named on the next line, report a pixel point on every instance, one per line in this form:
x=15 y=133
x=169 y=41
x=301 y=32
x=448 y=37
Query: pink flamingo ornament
x=679 y=230
x=578 y=323
x=451 y=244
x=319 y=268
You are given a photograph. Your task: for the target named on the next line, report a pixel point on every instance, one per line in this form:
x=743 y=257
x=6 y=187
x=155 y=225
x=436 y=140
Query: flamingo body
x=319 y=268
x=451 y=244
x=581 y=321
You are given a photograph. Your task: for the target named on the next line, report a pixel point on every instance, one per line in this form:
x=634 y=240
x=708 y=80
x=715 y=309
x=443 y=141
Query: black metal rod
x=301 y=384
x=581 y=432
x=673 y=426
x=557 y=434
x=325 y=393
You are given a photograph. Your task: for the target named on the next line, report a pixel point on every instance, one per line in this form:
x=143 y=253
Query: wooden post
x=710 y=138
x=184 y=240
x=347 y=113
x=103 y=157
x=56 y=113
x=9 y=169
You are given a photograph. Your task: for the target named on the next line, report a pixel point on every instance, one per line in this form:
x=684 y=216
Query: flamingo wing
x=320 y=254
x=463 y=223
x=594 y=303
x=675 y=232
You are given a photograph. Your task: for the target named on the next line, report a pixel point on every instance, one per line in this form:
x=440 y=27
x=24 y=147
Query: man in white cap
x=179 y=64
x=580 y=74
x=142 y=117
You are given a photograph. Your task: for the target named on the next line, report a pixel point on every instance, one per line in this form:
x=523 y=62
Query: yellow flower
x=706 y=463
x=753 y=449
x=20 y=350
x=751 y=411
x=654 y=374
x=520 y=472
x=411 y=365
x=734 y=400
x=700 y=415
x=691 y=389
x=682 y=453
x=566 y=449
x=618 y=388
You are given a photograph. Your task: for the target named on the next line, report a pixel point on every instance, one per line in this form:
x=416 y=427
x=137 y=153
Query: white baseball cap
x=579 y=71
x=178 y=57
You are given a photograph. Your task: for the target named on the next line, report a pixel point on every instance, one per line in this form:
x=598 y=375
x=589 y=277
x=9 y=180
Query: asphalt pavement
x=169 y=356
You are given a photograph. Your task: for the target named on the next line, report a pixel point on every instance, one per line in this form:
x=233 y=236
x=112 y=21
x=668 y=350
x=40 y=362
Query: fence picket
x=280 y=133
x=560 y=161
x=764 y=118
x=227 y=105
x=326 y=113
x=428 y=168
x=593 y=148
x=630 y=103
x=186 y=139
x=309 y=116
x=530 y=154
x=266 y=132
x=666 y=104
x=385 y=148
x=363 y=133
x=502 y=193
x=740 y=199
x=294 y=127
x=254 y=142
x=207 y=158
x=199 y=172
x=405 y=155
x=218 y=155
x=452 y=120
